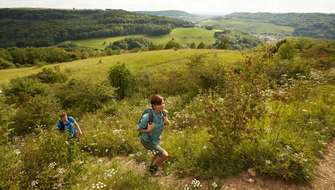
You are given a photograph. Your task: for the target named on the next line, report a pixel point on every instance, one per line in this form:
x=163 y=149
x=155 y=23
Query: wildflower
x=17 y=151
x=98 y=185
x=34 y=183
x=214 y=185
x=138 y=154
x=117 y=131
x=267 y=162
x=52 y=165
x=196 y=183
x=186 y=187
x=111 y=172
x=61 y=171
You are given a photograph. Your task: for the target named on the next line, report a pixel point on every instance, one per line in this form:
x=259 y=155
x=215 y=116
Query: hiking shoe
x=153 y=169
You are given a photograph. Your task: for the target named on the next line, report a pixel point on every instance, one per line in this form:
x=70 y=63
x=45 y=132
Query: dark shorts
x=155 y=149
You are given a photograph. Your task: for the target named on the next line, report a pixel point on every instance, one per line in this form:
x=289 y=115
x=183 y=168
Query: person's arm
x=166 y=121
x=78 y=128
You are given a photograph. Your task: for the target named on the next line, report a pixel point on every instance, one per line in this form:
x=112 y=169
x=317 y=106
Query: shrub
x=121 y=79
x=38 y=112
x=48 y=75
x=22 y=90
x=10 y=167
x=84 y=96
x=201 y=45
x=172 y=45
x=50 y=161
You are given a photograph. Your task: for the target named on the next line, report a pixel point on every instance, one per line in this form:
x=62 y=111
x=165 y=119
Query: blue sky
x=195 y=6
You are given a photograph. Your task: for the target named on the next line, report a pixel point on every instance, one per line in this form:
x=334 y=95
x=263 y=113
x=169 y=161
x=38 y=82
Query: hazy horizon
x=195 y=6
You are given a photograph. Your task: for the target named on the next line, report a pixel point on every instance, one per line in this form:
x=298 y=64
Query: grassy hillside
x=164 y=60
x=270 y=112
x=181 y=35
x=304 y=24
x=45 y=27
x=256 y=27
x=174 y=14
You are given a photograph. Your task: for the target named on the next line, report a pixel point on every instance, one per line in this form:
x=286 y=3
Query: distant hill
x=45 y=27
x=168 y=13
x=174 y=14
x=305 y=24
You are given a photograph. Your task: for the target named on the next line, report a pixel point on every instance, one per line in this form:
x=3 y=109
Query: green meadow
x=98 y=68
x=183 y=36
x=248 y=26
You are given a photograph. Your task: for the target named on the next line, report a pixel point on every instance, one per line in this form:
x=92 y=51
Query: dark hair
x=156 y=100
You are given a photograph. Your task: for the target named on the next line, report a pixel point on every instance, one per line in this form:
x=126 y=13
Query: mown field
x=248 y=26
x=97 y=68
x=183 y=36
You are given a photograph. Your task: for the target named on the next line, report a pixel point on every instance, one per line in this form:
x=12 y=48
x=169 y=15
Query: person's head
x=157 y=103
x=63 y=117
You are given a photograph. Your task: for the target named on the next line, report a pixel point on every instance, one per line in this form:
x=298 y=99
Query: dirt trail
x=324 y=180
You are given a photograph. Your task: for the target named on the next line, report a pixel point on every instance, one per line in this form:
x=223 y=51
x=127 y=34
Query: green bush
x=48 y=75
x=6 y=112
x=84 y=96
x=5 y=64
x=172 y=45
x=130 y=44
x=109 y=137
x=121 y=78
x=286 y=51
x=186 y=148
x=10 y=165
x=201 y=45
x=50 y=161
x=38 y=112
x=21 y=90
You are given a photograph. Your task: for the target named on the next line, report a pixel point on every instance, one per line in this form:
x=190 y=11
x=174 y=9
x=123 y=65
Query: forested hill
x=167 y=13
x=305 y=24
x=174 y=14
x=45 y=27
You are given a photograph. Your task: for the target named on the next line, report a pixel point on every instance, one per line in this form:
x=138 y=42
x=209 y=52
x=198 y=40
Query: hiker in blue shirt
x=151 y=127
x=69 y=124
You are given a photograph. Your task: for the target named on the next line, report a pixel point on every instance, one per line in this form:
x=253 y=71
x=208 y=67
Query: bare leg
x=158 y=160
x=153 y=161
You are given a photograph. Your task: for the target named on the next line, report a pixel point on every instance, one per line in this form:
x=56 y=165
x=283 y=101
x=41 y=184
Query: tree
x=172 y=44
x=201 y=45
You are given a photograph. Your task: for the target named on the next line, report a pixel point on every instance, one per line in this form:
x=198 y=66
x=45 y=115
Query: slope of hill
x=174 y=14
x=45 y=27
x=183 y=36
x=304 y=24
x=85 y=69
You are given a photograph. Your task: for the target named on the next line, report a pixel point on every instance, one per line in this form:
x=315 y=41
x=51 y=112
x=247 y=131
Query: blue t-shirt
x=69 y=126
x=155 y=134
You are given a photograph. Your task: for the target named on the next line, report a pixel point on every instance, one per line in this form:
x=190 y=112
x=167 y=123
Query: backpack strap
x=151 y=116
